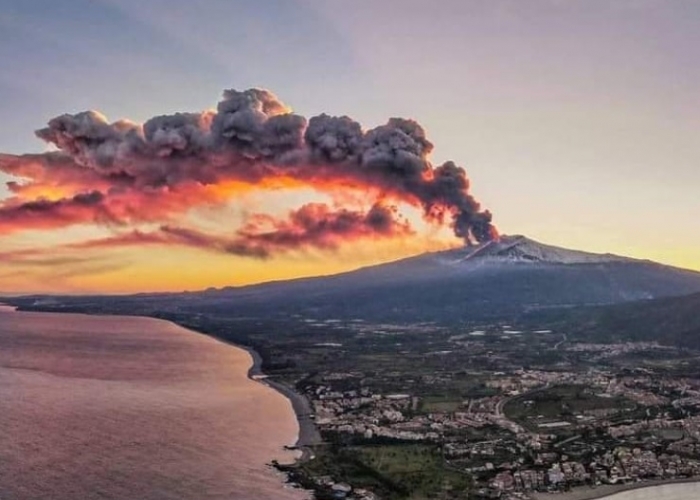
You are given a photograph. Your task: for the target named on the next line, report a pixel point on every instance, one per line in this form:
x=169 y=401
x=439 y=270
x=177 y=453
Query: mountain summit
x=522 y=249
x=499 y=279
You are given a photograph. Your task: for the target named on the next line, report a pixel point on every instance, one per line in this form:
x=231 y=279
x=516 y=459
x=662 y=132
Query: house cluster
x=618 y=466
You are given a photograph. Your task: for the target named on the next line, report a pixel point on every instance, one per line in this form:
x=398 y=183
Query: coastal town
x=501 y=426
x=500 y=410
x=548 y=460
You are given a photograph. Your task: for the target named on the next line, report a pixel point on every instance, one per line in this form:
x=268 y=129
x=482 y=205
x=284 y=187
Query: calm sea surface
x=681 y=491
x=133 y=408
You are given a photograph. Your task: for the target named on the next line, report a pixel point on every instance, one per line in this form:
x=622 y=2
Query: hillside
x=670 y=320
x=502 y=279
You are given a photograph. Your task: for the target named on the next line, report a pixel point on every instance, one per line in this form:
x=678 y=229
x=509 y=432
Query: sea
x=678 y=491
x=105 y=407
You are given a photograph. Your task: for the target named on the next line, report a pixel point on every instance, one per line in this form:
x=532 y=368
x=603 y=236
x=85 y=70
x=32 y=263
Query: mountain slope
x=500 y=279
x=669 y=320
x=521 y=249
x=496 y=279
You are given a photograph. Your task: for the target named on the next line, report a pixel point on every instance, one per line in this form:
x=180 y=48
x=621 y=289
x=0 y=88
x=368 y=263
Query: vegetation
x=671 y=321
x=561 y=403
x=396 y=471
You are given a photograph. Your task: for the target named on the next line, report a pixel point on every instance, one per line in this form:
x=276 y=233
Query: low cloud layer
x=124 y=174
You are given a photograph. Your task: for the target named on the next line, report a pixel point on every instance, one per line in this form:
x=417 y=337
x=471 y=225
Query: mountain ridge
x=489 y=254
x=522 y=248
x=502 y=279
x=667 y=320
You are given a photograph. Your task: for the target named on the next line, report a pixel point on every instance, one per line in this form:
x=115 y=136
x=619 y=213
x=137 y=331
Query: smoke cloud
x=123 y=174
x=46 y=214
x=314 y=225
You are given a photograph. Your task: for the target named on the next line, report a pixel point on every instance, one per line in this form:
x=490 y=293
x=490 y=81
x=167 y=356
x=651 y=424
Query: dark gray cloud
x=252 y=137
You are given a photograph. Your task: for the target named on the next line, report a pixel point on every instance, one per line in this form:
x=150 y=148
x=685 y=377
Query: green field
x=561 y=403
x=401 y=471
x=439 y=404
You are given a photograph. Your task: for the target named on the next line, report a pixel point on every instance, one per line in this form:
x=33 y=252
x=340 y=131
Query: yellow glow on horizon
x=160 y=269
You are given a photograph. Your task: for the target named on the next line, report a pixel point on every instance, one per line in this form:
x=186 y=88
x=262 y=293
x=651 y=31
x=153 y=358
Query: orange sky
x=168 y=268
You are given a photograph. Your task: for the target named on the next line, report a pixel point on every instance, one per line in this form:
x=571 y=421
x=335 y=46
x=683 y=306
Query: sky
x=573 y=122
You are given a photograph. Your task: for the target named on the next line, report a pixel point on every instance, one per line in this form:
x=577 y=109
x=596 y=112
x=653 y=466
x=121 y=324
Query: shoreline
x=606 y=490
x=308 y=432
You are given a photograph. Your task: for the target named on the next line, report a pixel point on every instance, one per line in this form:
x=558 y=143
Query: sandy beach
x=605 y=490
x=308 y=432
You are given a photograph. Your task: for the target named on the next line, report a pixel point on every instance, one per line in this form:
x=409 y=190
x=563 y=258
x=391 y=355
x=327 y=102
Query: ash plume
x=158 y=170
x=43 y=213
x=314 y=225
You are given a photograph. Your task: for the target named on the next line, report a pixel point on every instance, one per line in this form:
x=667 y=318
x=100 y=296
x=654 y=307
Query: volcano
x=500 y=278
x=522 y=249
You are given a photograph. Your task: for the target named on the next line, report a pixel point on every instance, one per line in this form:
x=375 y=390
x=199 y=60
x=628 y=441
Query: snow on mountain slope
x=520 y=249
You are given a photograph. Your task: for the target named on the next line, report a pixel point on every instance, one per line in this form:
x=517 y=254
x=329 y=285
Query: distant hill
x=499 y=279
x=670 y=321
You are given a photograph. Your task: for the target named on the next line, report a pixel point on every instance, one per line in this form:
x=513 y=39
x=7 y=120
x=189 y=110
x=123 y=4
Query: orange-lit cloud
x=48 y=214
x=124 y=175
x=314 y=225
